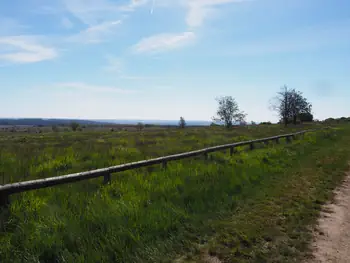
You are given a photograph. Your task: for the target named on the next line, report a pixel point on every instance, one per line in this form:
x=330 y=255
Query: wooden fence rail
x=8 y=189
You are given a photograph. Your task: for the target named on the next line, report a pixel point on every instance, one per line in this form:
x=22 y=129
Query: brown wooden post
x=4 y=199
x=164 y=164
x=107 y=178
x=251 y=146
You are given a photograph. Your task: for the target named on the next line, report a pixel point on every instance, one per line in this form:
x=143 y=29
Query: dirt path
x=332 y=240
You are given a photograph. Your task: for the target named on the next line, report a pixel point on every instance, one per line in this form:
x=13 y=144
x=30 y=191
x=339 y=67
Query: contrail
x=152 y=6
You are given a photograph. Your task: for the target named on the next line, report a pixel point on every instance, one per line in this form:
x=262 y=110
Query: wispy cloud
x=66 y=23
x=199 y=10
x=92 y=12
x=10 y=26
x=96 y=34
x=163 y=42
x=88 y=12
x=24 y=49
x=92 y=88
x=133 y=4
x=114 y=64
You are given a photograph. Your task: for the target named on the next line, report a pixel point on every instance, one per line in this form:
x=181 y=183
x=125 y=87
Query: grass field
x=255 y=206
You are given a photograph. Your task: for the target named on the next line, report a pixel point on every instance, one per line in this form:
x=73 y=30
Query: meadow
x=254 y=206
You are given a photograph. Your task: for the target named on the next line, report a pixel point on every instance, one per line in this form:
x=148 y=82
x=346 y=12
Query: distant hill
x=44 y=122
x=157 y=122
x=50 y=122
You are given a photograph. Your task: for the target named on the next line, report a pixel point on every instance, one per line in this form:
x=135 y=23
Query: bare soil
x=332 y=238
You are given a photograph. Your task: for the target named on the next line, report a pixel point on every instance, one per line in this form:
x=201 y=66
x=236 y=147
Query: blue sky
x=162 y=59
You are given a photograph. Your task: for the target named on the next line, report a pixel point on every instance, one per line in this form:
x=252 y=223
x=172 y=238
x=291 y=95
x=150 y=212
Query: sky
x=162 y=59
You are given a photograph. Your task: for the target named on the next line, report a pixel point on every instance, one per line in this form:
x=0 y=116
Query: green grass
x=255 y=206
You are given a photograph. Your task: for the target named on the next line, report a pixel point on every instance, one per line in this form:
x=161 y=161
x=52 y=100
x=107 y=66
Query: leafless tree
x=289 y=104
x=182 y=122
x=281 y=103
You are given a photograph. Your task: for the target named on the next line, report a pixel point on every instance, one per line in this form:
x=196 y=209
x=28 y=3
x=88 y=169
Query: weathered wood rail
x=19 y=187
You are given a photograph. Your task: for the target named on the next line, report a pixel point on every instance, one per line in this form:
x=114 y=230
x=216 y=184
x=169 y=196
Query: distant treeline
x=67 y=122
x=337 y=120
x=45 y=122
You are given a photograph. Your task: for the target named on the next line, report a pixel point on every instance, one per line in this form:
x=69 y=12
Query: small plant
x=140 y=126
x=233 y=203
x=213 y=124
x=74 y=126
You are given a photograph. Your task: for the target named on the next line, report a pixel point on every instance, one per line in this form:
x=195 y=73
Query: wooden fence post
x=107 y=178
x=6 y=191
x=4 y=199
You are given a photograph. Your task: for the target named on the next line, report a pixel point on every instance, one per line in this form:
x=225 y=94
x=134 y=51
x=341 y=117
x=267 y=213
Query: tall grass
x=144 y=215
x=24 y=157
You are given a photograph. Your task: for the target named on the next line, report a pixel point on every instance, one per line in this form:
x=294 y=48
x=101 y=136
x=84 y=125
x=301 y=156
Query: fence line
x=19 y=187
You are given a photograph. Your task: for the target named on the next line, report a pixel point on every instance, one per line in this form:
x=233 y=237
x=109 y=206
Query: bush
x=140 y=126
x=265 y=123
x=74 y=126
x=54 y=128
x=182 y=122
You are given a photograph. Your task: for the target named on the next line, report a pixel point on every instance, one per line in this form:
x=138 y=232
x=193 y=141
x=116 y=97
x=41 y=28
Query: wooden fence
x=8 y=189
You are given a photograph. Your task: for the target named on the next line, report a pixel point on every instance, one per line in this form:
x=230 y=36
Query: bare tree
x=289 y=104
x=281 y=103
x=228 y=111
x=182 y=122
x=299 y=105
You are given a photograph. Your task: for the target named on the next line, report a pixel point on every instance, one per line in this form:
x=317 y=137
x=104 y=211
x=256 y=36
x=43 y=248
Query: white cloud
x=97 y=33
x=92 y=88
x=24 y=49
x=199 y=10
x=133 y=4
x=66 y=23
x=92 y=12
x=85 y=11
x=163 y=42
x=114 y=64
